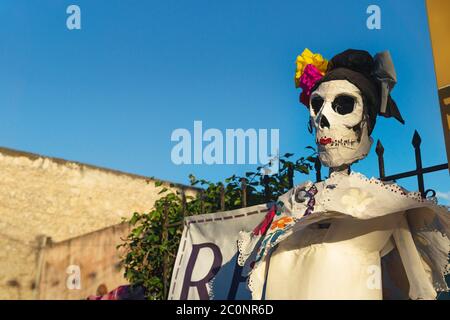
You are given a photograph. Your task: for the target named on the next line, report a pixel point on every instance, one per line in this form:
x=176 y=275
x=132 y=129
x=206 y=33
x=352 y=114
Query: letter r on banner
x=201 y=284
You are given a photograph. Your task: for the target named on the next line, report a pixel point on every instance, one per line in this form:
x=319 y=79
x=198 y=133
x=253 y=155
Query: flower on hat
x=306 y=58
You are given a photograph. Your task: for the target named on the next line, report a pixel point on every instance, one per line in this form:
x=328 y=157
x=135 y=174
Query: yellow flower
x=307 y=57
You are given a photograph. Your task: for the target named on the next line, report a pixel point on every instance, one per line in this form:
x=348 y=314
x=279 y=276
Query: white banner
x=206 y=265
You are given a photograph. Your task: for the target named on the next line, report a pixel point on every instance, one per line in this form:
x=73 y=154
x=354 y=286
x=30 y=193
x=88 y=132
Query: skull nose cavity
x=324 y=122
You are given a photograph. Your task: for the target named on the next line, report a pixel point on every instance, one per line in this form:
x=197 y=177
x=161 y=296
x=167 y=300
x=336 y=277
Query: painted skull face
x=337 y=114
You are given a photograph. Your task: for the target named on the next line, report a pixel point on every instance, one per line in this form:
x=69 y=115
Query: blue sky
x=111 y=93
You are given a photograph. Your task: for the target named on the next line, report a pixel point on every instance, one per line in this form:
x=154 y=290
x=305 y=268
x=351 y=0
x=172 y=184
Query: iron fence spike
x=417 y=140
x=379 y=148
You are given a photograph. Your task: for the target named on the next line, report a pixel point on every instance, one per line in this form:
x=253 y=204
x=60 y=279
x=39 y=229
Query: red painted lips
x=325 y=141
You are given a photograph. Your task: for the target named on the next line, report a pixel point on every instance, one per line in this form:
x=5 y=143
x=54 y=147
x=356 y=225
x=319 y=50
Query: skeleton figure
x=327 y=239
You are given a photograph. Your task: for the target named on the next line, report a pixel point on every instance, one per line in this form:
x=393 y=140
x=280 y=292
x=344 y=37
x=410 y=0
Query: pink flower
x=307 y=81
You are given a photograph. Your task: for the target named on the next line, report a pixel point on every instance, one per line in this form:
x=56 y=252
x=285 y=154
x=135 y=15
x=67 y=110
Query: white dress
x=335 y=251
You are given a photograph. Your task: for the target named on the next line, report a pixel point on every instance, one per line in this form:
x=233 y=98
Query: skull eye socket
x=343 y=104
x=316 y=104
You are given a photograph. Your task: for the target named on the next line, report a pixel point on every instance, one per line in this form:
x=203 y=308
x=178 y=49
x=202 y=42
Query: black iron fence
x=418 y=172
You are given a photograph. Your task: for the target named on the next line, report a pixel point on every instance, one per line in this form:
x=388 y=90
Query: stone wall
x=76 y=268
x=49 y=197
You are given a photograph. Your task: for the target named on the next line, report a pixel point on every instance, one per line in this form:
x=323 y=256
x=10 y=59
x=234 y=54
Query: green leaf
x=134 y=218
x=163 y=190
